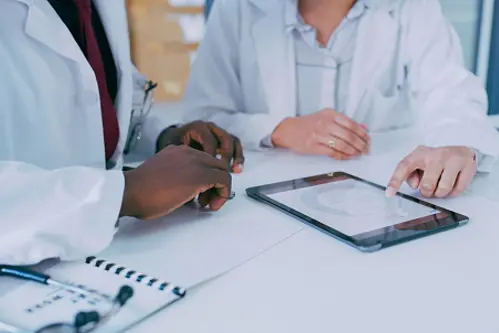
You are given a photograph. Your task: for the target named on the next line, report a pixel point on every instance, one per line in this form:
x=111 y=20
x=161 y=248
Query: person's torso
x=375 y=94
x=50 y=114
x=323 y=71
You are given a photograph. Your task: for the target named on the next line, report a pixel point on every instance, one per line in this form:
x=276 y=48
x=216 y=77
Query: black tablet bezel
x=371 y=240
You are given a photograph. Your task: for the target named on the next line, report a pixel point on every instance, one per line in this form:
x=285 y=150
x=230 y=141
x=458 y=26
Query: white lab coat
x=57 y=199
x=407 y=69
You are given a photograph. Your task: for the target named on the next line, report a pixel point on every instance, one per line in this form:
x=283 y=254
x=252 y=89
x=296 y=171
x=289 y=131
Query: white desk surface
x=312 y=283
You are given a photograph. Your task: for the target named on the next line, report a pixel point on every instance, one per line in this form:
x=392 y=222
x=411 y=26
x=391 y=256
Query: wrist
x=163 y=139
x=281 y=132
x=129 y=205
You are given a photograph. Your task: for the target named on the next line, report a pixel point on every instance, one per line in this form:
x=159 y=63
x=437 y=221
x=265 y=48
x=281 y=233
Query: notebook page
x=33 y=305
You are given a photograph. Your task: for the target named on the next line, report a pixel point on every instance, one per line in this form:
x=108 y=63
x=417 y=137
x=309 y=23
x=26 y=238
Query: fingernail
x=390 y=192
x=364 y=126
x=241 y=167
x=427 y=186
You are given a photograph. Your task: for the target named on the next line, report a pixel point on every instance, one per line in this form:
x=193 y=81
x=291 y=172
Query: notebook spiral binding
x=132 y=275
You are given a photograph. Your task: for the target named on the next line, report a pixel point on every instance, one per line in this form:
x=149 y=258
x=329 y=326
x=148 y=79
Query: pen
x=24 y=273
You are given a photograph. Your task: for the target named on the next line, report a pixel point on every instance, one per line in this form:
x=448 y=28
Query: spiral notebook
x=32 y=305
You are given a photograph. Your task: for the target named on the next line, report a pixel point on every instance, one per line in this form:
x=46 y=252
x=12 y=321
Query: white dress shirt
x=322 y=71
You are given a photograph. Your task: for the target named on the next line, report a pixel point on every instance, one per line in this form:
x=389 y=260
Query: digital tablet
x=357 y=211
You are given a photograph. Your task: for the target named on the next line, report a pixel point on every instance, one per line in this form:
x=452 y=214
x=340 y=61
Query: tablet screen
x=351 y=206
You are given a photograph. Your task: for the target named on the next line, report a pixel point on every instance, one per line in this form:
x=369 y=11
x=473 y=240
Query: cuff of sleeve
x=76 y=233
x=153 y=126
x=258 y=136
x=267 y=142
x=482 y=139
x=485 y=163
x=101 y=232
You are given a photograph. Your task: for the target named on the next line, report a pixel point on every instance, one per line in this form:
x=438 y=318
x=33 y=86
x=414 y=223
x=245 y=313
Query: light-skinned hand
x=326 y=132
x=436 y=172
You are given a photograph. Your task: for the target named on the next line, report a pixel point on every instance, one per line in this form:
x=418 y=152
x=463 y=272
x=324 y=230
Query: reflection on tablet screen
x=352 y=207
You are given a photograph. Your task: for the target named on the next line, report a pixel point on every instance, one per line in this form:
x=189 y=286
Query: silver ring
x=331 y=143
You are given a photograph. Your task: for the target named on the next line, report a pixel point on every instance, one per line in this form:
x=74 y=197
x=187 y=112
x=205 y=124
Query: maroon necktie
x=94 y=57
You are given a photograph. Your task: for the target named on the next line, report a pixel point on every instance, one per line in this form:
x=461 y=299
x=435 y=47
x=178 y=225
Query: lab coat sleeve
x=67 y=213
x=451 y=103
x=214 y=91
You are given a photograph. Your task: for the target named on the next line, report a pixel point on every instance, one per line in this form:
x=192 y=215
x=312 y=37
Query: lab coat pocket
x=387 y=109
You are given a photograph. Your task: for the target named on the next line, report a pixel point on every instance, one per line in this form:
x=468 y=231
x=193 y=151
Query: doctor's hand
x=173 y=177
x=206 y=137
x=326 y=132
x=435 y=172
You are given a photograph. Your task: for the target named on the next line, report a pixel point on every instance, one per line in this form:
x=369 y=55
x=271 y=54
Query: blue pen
x=24 y=273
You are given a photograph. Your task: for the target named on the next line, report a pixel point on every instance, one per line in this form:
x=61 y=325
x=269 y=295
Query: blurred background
x=166 y=33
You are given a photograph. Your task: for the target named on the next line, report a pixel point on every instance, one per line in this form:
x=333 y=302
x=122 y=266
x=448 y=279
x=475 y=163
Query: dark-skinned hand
x=173 y=177
x=207 y=137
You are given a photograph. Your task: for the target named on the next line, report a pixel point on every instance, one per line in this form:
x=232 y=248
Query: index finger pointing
x=404 y=169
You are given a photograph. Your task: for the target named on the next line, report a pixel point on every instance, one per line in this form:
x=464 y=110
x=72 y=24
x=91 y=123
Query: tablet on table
x=357 y=211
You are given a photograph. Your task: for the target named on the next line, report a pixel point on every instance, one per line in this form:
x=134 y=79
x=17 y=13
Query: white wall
x=464 y=14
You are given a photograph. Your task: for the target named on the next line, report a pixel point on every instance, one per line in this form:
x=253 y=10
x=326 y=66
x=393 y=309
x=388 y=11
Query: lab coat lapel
x=376 y=39
x=114 y=19
x=276 y=60
x=43 y=24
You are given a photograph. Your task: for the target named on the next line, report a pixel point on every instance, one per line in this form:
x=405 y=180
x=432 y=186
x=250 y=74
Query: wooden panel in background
x=158 y=47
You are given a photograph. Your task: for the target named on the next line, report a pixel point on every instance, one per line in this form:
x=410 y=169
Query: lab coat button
x=90 y=97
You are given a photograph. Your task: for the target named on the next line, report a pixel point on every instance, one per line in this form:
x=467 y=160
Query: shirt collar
x=294 y=20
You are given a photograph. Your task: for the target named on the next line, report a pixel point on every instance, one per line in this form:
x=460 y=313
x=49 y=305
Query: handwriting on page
x=59 y=295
